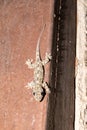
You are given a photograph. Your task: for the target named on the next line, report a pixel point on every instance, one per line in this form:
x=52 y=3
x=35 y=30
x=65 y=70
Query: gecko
x=38 y=85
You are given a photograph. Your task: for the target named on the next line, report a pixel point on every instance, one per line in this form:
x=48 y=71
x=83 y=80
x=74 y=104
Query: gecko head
x=39 y=94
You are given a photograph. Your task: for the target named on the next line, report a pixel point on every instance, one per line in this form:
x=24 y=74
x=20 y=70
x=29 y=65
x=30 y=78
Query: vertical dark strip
x=61 y=105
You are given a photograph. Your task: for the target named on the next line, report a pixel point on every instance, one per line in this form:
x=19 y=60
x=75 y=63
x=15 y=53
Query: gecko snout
x=39 y=95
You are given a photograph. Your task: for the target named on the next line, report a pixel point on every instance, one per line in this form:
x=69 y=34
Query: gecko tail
x=38 y=44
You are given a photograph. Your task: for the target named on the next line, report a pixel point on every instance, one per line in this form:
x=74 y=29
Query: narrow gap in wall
x=61 y=107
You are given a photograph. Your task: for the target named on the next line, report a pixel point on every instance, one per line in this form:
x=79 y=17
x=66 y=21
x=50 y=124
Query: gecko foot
x=29 y=63
x=45 y=85
x=30 y=85
x=48 y=56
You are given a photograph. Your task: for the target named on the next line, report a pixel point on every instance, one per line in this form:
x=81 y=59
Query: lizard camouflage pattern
x=38 y=86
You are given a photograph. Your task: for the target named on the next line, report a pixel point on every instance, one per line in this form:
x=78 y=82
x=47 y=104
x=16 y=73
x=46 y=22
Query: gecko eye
x=33 y=93
x=42 y=93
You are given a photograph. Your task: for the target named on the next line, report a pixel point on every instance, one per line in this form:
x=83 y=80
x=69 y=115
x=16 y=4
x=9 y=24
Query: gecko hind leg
x=30 y=64
x=48 y=57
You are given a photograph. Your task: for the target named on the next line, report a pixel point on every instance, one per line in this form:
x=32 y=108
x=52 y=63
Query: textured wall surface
x=62 y=100
x=21 y=22
x=81 y=67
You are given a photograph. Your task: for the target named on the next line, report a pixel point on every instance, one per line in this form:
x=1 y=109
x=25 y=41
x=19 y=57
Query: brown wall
x=20 y=24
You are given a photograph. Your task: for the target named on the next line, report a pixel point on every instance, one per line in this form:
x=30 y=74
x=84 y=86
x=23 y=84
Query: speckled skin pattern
x=38 y=86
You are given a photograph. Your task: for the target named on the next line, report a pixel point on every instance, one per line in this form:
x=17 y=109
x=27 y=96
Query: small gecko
x=38 y=85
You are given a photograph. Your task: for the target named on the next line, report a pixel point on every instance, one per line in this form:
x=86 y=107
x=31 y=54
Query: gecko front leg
x=30 y=63
x=45 y=86
x=30 y=85
x=48 y=57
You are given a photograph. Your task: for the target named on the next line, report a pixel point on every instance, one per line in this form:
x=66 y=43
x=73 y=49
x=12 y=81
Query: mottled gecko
x=38 y=86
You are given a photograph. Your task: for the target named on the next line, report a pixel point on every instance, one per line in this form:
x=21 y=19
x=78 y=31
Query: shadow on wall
x=61 y=57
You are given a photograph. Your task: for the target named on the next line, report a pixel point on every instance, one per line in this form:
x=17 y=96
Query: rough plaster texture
x=81 y=67
x=21 y=22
